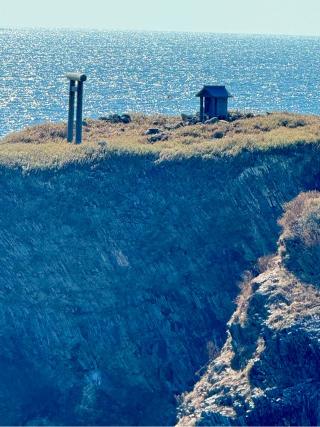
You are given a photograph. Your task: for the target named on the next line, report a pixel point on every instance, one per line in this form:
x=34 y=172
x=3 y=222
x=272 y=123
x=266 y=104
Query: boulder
x=192 y=119
x=218 y=134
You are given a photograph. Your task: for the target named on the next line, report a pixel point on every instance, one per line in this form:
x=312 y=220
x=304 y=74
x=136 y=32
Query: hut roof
x=214 y=92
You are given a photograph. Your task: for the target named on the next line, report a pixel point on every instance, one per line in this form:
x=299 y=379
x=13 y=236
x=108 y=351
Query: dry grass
x=45 y=145
x=243 y=300
x=299 y=302
x=299 y=243
x=301 y=219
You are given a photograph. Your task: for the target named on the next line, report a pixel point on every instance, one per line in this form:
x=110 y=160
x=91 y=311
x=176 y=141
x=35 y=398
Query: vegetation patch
x=46 y=146
x=300 y=240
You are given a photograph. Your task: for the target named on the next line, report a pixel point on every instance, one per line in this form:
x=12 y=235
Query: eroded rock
x=268 y=372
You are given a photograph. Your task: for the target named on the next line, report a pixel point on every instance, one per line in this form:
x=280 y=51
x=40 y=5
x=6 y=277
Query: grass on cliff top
x=45 y=145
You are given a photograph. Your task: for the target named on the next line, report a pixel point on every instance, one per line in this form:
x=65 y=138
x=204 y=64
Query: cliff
x=120 y=259
x=268 y=370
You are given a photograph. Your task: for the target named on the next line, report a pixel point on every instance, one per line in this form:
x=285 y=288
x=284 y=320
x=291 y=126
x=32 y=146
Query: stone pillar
x=76 y=85
x=79 y=113
x=72 y=89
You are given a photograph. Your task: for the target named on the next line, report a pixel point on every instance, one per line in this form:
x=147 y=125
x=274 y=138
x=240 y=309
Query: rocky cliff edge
x=268 y=372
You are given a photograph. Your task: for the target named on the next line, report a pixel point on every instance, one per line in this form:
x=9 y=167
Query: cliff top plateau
x=163 y=137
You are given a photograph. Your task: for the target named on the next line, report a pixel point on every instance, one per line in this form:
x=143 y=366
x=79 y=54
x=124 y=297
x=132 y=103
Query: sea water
x=152 y=72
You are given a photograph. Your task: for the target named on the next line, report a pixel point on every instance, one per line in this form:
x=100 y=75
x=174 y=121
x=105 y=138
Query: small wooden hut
x=213 y=102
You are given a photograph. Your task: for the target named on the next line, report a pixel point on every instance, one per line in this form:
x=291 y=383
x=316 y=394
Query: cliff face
x=268 y=370
x=118 y=276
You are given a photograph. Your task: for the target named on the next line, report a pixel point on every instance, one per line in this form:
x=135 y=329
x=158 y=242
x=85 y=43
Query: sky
x=297 y=17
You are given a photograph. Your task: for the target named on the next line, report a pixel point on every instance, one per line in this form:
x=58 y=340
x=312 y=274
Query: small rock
x=234 y=115
x=174 y=126
x=102 y=143
x=218 y=134
x=125 y=118
x=211 y=121
x=116 y=118
x=158 y=137
x=152 y=131
x=177 y=125
x=190 y=119
x=112 y=118
x=237 y=115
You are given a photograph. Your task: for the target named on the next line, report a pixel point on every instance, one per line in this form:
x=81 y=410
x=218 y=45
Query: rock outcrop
x=118 y=276
x=268 y=372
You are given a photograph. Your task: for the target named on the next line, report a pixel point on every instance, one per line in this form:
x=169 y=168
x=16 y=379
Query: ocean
x=152 y=72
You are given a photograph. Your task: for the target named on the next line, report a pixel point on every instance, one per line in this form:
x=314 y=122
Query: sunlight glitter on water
x=152 y=72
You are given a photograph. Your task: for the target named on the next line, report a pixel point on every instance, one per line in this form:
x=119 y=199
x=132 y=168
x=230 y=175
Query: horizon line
x=64 y=28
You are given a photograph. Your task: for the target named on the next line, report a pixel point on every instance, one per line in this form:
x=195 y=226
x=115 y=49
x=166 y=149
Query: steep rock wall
x=268 y=372
x=116 y=276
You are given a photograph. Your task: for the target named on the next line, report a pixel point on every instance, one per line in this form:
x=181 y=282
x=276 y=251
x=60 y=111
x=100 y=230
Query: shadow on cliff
x=116 y=275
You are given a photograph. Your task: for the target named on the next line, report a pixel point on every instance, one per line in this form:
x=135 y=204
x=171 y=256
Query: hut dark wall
x=210 y=107
x=222 y=107
x=216 y=107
